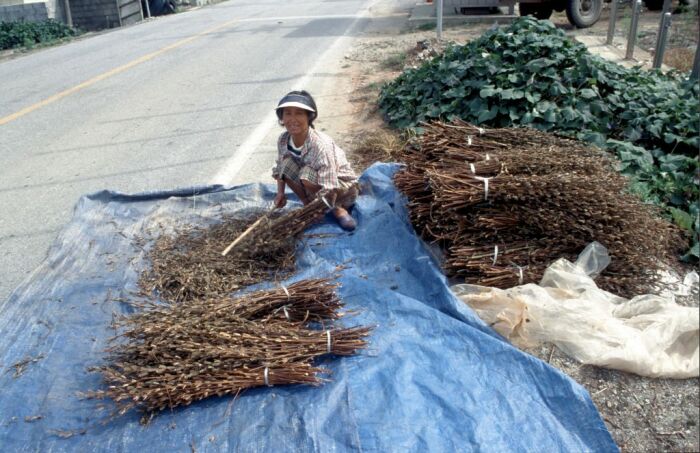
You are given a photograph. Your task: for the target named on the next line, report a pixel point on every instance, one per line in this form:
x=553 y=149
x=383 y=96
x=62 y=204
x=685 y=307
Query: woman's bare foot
x=344 y=219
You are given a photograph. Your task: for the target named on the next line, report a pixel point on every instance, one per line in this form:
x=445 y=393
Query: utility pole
x=439 y=19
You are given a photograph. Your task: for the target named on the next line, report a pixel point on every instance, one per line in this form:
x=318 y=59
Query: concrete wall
x=100 y=14
x=130 y=11
x=94 y=14
x=86 y=14
x=31 y=12
x=18 y=2
x=54 y=8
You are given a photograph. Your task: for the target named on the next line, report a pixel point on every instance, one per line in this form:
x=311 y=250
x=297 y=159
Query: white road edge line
x=234 y=164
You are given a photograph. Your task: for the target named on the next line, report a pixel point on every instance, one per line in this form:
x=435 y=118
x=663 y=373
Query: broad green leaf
x=488 y=91
x=682 y=218
x=587 y=93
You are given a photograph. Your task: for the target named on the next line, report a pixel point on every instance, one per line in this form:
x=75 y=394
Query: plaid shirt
x=321 y=154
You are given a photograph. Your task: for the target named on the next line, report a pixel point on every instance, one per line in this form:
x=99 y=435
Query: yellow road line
x=110 y=73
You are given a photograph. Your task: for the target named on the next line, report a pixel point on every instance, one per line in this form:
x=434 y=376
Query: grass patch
x=680 y=58
x=395 y=62
x=428 y=26
x=381 y=145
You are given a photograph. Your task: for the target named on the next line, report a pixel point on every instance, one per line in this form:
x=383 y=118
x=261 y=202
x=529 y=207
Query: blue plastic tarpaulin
x=434 y=378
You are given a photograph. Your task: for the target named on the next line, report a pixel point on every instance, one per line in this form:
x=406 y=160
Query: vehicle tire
x=584 y=13
x=654 y=5
x=540 y=11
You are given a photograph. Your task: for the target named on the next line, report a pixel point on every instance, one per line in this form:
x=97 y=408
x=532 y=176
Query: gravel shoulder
x=642 y=414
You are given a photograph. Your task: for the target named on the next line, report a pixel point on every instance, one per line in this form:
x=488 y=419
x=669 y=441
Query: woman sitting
x=309 y=161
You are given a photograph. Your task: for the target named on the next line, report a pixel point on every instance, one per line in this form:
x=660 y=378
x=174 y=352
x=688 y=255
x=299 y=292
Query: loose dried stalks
x=189 y=265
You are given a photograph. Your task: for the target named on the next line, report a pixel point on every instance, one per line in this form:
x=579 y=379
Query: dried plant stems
x=196 y=340
x=271 y=230
x=189 y=265
x=535 y=196
x=171 y=355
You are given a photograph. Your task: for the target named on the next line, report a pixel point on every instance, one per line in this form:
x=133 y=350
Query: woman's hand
x=280 y=200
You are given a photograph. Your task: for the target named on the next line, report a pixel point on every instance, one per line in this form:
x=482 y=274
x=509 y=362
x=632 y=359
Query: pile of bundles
x=171 y=355
x=505 y=203
x=198 y=341
x=190 y=265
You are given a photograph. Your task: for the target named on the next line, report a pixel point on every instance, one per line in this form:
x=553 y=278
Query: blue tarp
x=435 y=378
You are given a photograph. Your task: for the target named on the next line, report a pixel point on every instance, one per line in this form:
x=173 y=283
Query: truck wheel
x=584 y=13
x=540 y=11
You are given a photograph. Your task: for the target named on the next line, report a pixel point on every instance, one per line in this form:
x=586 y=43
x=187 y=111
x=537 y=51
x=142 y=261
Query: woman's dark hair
x=305 y=98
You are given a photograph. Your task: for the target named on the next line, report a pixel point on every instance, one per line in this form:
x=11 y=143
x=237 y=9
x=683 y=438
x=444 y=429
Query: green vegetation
x=395 y=61
x=530 y=74
x=427 y=27
x=29 y=34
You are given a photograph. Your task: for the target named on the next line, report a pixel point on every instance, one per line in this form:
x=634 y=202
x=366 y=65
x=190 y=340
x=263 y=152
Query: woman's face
x=295 y=120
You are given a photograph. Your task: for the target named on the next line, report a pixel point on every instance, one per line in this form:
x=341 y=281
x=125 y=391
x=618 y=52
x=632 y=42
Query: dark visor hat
x=295 y=100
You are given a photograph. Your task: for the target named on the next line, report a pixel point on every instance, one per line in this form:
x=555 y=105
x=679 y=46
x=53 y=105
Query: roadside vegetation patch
x=395 y=62
x=28 y=34
x=530 y=74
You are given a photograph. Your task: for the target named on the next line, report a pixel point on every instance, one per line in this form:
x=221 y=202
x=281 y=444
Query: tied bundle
x=172 y=355
x=505 y=203
x=263 y=239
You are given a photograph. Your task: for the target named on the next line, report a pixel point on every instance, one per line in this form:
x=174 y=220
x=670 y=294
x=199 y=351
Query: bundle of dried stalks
x=189 y=265
x=505 y=203
x=171 y=355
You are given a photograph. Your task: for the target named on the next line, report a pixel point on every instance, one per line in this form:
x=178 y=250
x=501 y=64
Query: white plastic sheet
x=647 y=335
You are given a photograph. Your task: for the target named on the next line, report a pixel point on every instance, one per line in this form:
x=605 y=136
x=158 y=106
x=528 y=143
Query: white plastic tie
x=520 y=275
x=266 y=375
x=472 y=168
x=328 y=341
x=469 y=140
x=326 y=202
x=495 y=254
x=286 y=313
x=284 y=288
x=481 y=131
x=486 y=186
x=488 y=157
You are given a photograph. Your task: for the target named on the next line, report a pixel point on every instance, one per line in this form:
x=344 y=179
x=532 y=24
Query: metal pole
x=662 y=39
x=662 y=36
x=611 y=23
x=696 y=64
x=439 y=19
x=148 y=9
x=632 y=37
x=69 y=16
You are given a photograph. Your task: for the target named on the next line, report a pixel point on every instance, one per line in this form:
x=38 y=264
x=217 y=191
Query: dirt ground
x=642 y=414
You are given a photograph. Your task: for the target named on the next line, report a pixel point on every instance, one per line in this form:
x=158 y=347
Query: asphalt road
x=178 y=101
